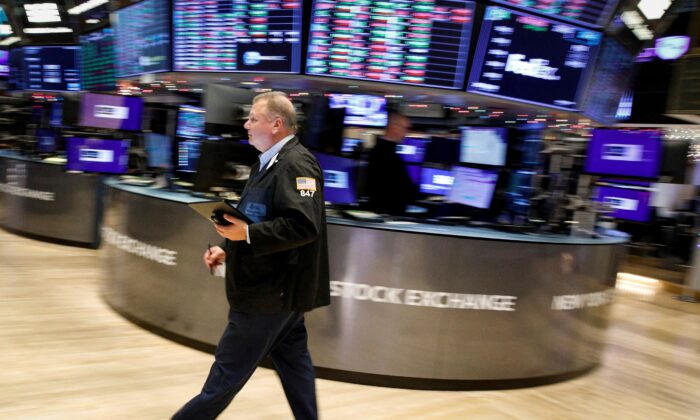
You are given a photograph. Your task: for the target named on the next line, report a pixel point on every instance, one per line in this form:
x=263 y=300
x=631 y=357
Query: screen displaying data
x=611 y=78
x=142 y=38
x=97 y=155
x=511 y=62
x=363 y=110
x=423 y=42
x=4 y=63
x=190 y=122
x=624 y=153
x=473 y=187
x=97 y=60
x=237 y=35
x=116 y=112
x=586 y=12
x=626 y=203
x=16 y=64
x=484 y=145
x=436 y=181
x=339 y=178
x=51 y=68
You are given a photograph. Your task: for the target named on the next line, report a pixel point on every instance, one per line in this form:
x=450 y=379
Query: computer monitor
x=187 y=156
x=159 y=151
x=45 y=140
x=632 y=203
x=117 y=112
x=412 y=149
x=4 y=63
x=97 y=155
x=227 y=109
x=190 y=122
x=224 y=165
x=473 y=187
x=360 y=110
x=585 y=12
x=435 y=181
x=635 y=154
x=519 y=191
x=142 y=38
x=97 y=60
x=52 y=68
x=339 y=179
x=443 y=150
x=351 y=145
x=484 y=146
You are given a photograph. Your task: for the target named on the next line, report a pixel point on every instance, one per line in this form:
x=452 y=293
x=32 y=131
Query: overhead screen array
x=51 y=68
x=411 y=42
x=142 y=34
x=97 y=62
x=237 y=35
x=511 y=60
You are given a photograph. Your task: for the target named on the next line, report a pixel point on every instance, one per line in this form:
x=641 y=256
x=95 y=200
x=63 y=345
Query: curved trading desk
x=417 y=306
x=43 y=201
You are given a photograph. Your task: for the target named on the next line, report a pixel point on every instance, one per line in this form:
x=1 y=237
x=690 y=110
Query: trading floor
x=65 y=354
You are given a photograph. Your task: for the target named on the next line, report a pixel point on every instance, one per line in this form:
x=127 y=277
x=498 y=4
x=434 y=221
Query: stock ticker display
x=532 y=59
x=97 y=62
x=586 y=12
x=237 y=35
x=142 y=38
x=423 y=42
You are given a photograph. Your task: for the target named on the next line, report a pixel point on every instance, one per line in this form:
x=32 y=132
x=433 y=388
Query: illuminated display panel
x=611 y=78
x=422 y=42
x=142 y=38
x=237 y=35
x=16 y=65
x=511 y=61
x=585 y=12
x=52 y=68
x=97 y=60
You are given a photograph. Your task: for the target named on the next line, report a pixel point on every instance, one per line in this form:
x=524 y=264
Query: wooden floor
x=64 y=354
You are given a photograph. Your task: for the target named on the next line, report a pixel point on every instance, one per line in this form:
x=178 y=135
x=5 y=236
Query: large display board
x=511 y=60
x=422 y=42
x=142 y=38
x=52 y=68
x=586 y=12
x=97 y=60
x=237 y=35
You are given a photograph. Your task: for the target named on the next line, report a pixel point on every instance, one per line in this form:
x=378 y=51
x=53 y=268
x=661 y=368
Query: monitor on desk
x=158 y=150
x=97 y=155
x=473 y=187
x=339 y=179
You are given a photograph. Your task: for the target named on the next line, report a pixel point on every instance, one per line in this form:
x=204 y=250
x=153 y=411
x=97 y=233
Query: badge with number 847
x=306 y=193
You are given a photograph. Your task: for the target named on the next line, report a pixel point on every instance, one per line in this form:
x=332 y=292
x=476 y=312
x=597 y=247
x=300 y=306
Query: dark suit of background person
x=389 y=188
x=276 y=269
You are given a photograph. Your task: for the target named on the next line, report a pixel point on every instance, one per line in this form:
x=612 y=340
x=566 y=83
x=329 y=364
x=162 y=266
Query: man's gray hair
x=278 y=105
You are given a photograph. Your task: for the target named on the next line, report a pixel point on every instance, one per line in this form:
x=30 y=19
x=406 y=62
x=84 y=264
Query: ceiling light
x=653 y=9
x=42 y=12
x=84 y=7
x=52 y=30
x=9 y=41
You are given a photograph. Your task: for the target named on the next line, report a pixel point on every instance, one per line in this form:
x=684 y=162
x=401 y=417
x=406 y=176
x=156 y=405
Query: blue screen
x=190 y=122
x=435 y=181
x=510 y=61
x=45 y=140
x=52 y=68
x=188 y=155
x=97 y=155
x=158 y=150
x=587 y=12
x=624 y=153
x=625 y=203
x=339 y=179
x=142 y=38
x=412 y=149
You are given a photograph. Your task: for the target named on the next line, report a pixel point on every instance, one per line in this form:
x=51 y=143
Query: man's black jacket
x=285 y=266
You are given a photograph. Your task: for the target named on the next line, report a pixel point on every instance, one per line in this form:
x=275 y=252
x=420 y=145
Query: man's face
x=261 y=128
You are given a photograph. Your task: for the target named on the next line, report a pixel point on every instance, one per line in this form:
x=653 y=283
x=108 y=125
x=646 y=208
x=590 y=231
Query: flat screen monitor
x=412 y=149
x=97 y=155
x=226 y=109
x=473 y=187
x=115 y=112
x=218 y=36
x=190 y=122
x=417 y=43
x=52 y=68
x=484 y=146
x=339 y=178
x=351 y=145
x=56 y=114
x=634 y=154
x=188 y=155
x=4 y=63
x=362 y=110
x=510 y=60
x=225 y=165
x=142 y=38
x=435 y=181
x=159 y=151
x=627 y=203
x=611 y=78
x=45 y=140
x=16 y=63
x=585 y=12
x=443 y=150
x=97 y=60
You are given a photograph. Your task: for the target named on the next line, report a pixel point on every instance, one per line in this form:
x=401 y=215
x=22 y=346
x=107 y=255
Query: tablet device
x=214 y=211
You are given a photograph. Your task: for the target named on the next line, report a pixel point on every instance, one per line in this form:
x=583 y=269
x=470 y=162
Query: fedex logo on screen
x=96 y=155
x=623 y=152
x=537 y=67
x=111 y=111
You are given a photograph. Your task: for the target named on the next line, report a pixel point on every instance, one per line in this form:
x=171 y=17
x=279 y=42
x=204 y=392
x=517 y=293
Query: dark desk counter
x=39 y=199
x=414 y=305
